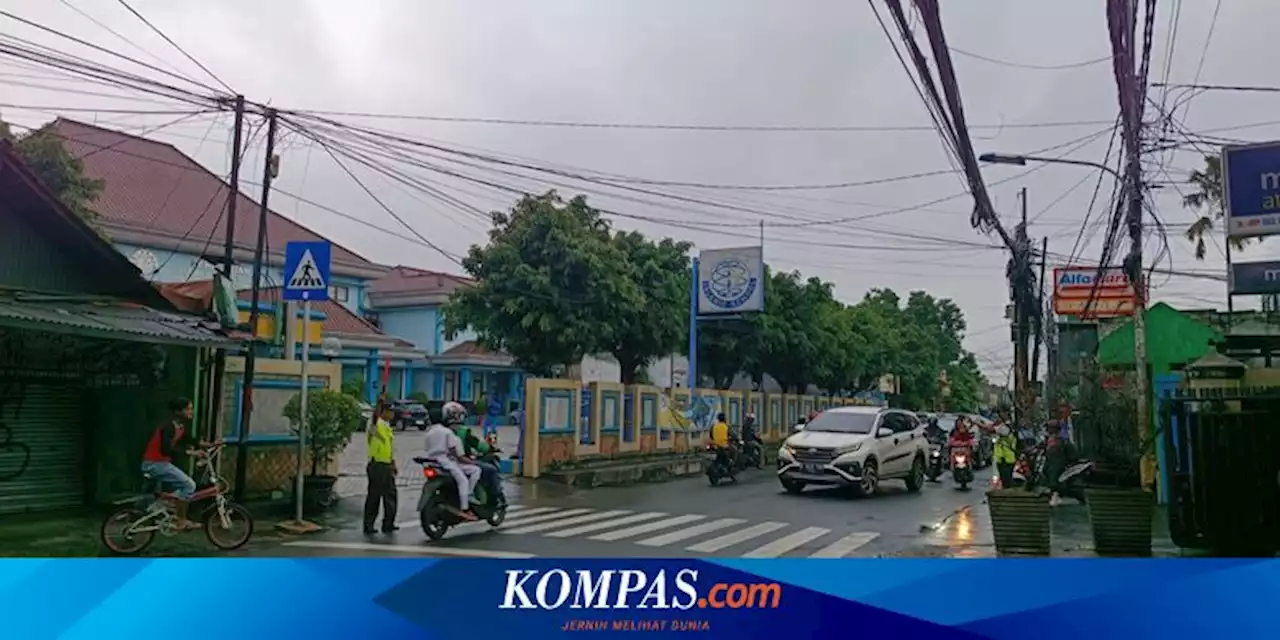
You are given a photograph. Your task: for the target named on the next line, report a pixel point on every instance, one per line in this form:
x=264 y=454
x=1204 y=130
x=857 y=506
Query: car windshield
x=836 y=422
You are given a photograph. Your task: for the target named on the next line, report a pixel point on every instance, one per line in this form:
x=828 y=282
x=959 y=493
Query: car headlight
x=844 y=451
x=787 y=451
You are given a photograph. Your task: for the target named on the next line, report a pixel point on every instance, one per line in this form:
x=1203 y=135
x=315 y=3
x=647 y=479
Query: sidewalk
x=77 y=535
x=968 y=534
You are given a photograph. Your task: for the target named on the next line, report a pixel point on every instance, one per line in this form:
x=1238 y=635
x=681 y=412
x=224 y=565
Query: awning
x=111 y=320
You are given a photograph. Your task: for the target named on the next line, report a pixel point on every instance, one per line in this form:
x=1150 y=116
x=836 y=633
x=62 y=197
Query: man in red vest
x=157 y=459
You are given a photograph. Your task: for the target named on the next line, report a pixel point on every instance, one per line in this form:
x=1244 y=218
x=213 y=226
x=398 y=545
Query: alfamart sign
x=1086 y=292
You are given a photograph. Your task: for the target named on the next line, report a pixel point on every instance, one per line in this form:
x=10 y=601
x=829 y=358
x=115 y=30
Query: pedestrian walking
x=382 y=472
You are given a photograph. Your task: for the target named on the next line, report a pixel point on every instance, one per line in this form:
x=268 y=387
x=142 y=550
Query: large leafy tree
x=795 y=332
x=1207 y=199
x=45 y=154
x=548 y=285
x=653 y=322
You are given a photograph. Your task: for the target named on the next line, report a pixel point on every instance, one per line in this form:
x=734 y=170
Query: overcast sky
x=711 y=62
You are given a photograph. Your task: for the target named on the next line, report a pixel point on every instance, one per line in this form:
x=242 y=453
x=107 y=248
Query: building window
x=339 y=294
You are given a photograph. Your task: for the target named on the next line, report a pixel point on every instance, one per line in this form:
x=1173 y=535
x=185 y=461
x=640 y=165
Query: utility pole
x=1137 y=275
x=1021 y=270
x=269 y=167
x=237 y=140
x=1040 y=333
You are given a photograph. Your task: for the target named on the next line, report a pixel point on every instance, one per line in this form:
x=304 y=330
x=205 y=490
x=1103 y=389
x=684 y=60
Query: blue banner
x=1251 y=182
x=425 y=598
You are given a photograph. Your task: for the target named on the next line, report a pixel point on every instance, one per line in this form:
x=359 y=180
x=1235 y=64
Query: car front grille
x=806 y=455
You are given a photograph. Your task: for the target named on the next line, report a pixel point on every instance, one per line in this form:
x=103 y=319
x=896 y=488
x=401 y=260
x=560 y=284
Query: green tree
x=794 y=331
x=1208 y=200
x=548 y=285
x=654 y=322
x=42 y=150
x=332 y=418
x=966 y=382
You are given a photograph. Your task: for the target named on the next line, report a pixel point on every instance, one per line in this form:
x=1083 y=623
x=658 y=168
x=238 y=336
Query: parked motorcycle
x=962 y=466
x=438 y=504
x=719 y=466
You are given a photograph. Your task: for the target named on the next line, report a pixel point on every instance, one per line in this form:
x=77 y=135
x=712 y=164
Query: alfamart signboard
x=1111 y=292
x=1251 y=186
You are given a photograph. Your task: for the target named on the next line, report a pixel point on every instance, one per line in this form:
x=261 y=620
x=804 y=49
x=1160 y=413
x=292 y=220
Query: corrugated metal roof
x=111 y=319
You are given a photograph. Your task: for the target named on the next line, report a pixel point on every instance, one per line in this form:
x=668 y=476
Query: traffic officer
x=1006 y=454
x=382 y=472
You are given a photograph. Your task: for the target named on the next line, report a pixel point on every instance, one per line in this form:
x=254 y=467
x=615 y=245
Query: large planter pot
x=1121 y=520
x=318 y=494
x=1020 y=521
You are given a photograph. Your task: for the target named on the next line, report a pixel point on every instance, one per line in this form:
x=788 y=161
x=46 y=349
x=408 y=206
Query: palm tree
x=1208 y=201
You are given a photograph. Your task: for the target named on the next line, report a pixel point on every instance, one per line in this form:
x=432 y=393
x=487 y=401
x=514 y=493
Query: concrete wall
x=568 y=422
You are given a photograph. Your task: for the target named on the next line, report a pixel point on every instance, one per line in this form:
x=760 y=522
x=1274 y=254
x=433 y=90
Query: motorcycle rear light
x=428 y=473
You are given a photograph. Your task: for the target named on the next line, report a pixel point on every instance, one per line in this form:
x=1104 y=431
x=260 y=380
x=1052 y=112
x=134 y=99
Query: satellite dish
x=331 y=347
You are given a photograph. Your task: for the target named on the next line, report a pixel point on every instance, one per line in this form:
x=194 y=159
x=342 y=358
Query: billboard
x=1112 y=293
x=1251 y=189
x=1255 y=278
x=730 y=281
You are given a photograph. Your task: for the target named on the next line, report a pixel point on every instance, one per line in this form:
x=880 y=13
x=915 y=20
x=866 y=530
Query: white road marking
x=612 y=536
x=522 y=519
x=787 y=543
x=739 y=536
x=690 y=532
x=406 y=549
x=556 y=524
x=608 y=524
x=846 y=545
x=523 y=511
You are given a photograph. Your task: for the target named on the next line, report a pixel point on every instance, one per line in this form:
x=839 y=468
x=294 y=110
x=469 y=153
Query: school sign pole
x=307 y=270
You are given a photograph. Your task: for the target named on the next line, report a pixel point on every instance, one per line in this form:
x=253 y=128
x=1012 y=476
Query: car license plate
x=811 y=468
x=419 y=422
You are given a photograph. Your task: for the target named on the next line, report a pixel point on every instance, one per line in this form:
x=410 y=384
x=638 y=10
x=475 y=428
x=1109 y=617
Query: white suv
x=855 y=447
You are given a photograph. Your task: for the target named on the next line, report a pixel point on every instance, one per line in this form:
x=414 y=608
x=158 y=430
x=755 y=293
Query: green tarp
x=1173 y=338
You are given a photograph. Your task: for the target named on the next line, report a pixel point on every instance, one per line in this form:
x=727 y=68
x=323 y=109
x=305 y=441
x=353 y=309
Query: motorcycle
x=934 y=470
x=439 y=501
x=752 y=455
x=1028 y=472
x=961 y=466
x=718 y=466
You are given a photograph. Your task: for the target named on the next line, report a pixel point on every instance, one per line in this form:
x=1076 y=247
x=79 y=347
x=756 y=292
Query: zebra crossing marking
x=690 y=532
x=846 y=545
x=614 y=536
x=787 y=543
x=608 y=524
x=556 y=524
x=666 y=529
x=737 y=537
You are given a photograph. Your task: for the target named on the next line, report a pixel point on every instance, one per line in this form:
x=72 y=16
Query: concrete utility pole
x=237 y=140
x=1021 y=317
x=269 y=167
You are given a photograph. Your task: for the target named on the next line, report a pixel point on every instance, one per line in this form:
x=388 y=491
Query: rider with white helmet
x=444 y=447
x=454 y=416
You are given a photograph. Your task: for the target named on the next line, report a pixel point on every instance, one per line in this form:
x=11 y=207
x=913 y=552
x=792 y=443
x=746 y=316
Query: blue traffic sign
x=1251 y=181
x=306 y=271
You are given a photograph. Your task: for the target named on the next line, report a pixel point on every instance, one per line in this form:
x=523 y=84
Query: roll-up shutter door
x=42 y=453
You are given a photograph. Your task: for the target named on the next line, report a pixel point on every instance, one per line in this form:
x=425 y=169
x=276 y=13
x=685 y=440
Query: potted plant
x=332 y=419
x=1120 y=508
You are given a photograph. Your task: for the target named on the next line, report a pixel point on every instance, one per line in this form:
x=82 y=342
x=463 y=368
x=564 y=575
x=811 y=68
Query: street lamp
x=1021 y=161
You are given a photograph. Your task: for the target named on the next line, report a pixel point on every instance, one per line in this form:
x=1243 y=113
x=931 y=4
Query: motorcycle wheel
x=431 y=522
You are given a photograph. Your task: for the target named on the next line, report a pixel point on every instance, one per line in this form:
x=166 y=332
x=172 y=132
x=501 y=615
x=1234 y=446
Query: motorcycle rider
x=455 y=416
x=1059 y=453
x=751 y=436
x=961 y=437
x=721 y=440
x=444 y=447
x=933 y=432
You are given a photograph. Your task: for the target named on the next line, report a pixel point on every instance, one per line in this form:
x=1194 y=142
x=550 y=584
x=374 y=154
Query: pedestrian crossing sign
x=306 y=271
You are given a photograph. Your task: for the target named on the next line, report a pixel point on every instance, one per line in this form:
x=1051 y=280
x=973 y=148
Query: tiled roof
x=337 y=318
x=152 y=186
x=469 y=348
x=404 y=279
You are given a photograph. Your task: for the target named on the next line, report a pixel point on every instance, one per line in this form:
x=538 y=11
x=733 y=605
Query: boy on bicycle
x=157 y=459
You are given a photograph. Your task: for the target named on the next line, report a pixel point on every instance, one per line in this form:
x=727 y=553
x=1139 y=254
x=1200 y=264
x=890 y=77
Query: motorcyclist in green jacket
x=478 y=449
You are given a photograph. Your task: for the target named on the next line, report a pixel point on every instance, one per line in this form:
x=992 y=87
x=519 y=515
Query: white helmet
x=453 y=412
x=1002 y=430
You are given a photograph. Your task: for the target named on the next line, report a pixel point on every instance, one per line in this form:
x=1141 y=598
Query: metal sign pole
x=302 y=423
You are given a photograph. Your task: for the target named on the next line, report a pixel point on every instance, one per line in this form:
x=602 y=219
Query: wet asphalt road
x=680 y=518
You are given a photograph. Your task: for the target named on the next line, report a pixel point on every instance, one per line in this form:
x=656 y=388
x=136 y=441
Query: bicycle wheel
x=230 y=537
x=121 y=541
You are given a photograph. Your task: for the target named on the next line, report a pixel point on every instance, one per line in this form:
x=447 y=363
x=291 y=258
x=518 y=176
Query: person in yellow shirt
x=1006 y=454
x=720 y=432
x=382 y=471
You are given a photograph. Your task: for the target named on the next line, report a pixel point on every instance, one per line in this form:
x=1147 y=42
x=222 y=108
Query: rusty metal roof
x=110 y=319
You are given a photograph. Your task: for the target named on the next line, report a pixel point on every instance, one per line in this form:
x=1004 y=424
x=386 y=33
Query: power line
x=117 y=34
x=1022 y=65
x=175 y=45
x=684 y=127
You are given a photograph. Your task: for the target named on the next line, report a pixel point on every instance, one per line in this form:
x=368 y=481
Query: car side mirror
x=884 y=432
